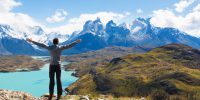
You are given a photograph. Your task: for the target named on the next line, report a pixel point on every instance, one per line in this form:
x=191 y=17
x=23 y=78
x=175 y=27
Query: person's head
x=55 y=41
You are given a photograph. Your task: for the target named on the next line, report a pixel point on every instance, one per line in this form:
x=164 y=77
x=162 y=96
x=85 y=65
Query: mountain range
x=95 y=35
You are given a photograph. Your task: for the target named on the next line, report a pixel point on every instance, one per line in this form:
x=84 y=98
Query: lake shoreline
x=74 y=72
x=30 y=80
x=21 y=70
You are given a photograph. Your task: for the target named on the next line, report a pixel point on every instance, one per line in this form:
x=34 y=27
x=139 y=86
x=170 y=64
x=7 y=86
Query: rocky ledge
x=15 y=95
x=18 y=95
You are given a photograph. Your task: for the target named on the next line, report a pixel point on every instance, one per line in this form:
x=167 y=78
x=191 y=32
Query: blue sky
x=40 y=9
x=67 y=16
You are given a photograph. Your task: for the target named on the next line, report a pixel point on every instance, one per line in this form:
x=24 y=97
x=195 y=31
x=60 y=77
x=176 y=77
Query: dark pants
x=52 y=70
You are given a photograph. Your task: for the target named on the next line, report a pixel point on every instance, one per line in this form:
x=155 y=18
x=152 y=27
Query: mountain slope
x=89 y=42
x=18 y=46
x=84 y=62
x=167 y=72
x=14 y=42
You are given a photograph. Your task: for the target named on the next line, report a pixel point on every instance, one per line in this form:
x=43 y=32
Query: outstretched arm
x=38 y=44
x=70 y=45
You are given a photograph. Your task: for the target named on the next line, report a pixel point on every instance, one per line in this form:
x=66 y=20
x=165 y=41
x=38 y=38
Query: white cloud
x=189 y=23
x=127 y=13
x=59 y=16
x=22 y=22
x=182 y=5
x=163 y=18
x=76 y=24
x=7 y=5
x=197 y=8
x=139 y=11
x=18 y=21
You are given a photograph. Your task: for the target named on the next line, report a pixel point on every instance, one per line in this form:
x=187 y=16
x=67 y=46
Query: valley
x=167 y=72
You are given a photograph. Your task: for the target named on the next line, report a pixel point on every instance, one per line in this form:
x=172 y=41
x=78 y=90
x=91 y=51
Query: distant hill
x=167 y=72
x=10 y=63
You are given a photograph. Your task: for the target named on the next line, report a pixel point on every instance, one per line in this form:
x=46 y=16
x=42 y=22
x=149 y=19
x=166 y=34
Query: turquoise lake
x=34 y=82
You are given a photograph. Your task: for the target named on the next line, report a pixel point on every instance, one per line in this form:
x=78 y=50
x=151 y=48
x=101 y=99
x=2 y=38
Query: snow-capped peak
x=139 y=24
x=111 y=24
x=95 y=27
x=125 y=25
x=7 y=31
x=37 y=30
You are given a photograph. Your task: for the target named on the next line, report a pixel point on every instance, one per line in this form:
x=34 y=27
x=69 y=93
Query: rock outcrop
x=18 y=95
x=15 y=95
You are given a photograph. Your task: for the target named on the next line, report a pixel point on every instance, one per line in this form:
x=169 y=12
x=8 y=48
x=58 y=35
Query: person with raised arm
x=55 y=63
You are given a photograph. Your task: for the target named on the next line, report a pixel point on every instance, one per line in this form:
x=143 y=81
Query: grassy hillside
x=84 y=62
x=168 y=72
